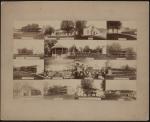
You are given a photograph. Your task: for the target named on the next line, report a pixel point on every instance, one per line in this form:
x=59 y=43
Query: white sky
x=124 y=44
x=96 y=63
x=34 y=83
x=130 y=24
x=56 y=23
x=35 y=44
x=22 y=62
x=121 y=85
x=99 y=24
x=120 y=63
x=81 y=43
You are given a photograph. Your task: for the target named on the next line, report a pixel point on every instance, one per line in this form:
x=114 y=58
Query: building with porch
x=94 y=31
x=59 y=50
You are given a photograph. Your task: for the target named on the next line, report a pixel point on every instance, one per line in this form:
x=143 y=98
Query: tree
x=48 y=45
x=86 y=49
x=114 y=25
x=126 y=67
x=80 y=49
x=31 y=28
x=79 y=26
x=67 y=25
x=114 y=47
x=98 y=49
x=130 y=53
x=73 y=49
x=49 y=30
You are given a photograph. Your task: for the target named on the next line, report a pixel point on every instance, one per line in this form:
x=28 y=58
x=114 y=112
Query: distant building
x=26 y=91
x=123 y=53
x=30 y=69
x=60 y=32
x=121 y=73
x=94 y=31
x=25 y=51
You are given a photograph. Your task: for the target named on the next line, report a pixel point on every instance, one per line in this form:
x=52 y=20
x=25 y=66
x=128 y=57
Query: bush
x=16 y=36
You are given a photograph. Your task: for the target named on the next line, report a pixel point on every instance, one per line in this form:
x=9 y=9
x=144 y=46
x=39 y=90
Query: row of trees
x=117 y=47
x=31 y=28
x=69 y=26
x=114 y=25
x=66 y=25
x=72 y=49
x=48 y=45
x=85 y=49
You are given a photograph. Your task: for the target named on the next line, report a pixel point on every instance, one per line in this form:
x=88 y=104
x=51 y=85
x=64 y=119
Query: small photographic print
x=28 y=69
x=121 y=30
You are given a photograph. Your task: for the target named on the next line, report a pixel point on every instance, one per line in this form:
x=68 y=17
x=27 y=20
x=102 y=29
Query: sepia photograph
x=76 y=49
x=121 y=30
x=123 y=50
x=121 y=69
x=28 y=69
x=28 y=49
x=74 y=61
x=29 y=90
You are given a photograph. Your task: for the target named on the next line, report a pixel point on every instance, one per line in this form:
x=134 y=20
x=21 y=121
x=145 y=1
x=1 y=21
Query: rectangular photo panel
x=28 y=49
x=121 y=70
x=121 y=30
x=28 y=69
x=121 y=50
x=28 y=90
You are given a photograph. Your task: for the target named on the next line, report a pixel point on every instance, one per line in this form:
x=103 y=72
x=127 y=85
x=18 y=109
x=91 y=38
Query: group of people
x=81 y=71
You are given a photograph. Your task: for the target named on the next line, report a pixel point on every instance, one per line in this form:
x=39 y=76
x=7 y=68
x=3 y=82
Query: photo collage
x=75 y=60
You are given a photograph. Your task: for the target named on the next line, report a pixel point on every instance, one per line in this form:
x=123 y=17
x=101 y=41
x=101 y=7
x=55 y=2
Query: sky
x=22 y=62
x=120 y=63
x=130 y=24
x=81 y=43
x=121 y=85
x=56 y=23
x=98 y=24
x=35 y=44
x=124 y=44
